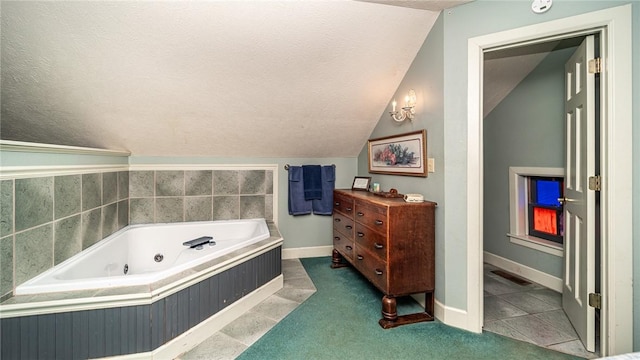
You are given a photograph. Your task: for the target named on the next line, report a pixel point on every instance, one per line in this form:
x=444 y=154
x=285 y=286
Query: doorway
x=523 y=270
x=616 y=326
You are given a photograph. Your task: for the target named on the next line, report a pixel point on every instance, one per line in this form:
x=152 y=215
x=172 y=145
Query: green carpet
x=340 y=321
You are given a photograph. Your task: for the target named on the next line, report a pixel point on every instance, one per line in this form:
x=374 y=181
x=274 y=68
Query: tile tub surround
x=45 y=220
x=158 y=196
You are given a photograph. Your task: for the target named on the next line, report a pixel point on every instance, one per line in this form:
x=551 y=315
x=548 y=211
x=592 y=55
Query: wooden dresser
x=391 y=242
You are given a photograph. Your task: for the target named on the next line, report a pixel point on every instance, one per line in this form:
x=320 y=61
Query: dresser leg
x=390 y=318
x=336 y=260
x=389 y=308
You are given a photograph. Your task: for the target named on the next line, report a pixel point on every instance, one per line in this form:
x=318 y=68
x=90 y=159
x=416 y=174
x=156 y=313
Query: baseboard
x=451 y=316
x=307 y=252
x=526 y=272
x=445 y=314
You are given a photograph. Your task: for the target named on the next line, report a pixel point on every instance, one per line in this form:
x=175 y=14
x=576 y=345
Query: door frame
x=614 y=25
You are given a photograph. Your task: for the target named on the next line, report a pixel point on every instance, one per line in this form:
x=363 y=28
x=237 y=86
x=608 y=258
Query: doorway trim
x=616 y=165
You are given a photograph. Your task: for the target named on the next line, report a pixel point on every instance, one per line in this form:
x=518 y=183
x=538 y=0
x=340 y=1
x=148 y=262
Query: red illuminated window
x=545 y=211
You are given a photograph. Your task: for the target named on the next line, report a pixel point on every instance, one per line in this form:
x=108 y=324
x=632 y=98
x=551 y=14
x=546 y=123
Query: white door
x=579 y=205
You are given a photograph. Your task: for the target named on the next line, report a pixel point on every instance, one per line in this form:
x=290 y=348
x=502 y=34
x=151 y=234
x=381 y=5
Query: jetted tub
x=143 y=254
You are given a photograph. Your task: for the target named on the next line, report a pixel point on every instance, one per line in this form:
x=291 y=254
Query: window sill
x=536 y=243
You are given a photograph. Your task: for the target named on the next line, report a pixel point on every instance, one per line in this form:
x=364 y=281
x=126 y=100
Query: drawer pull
x=337 y=220
x=349 y=227
x=360 y=257
x=336 y=238
x=378 y=272
x=360 y=234
x=337 y=203
x=378 y=246
x=349 y=209
x=360 y=213
x=348 y=247
x=378 y=222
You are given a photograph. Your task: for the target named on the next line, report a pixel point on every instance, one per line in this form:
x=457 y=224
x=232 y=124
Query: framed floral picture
x=403 y=154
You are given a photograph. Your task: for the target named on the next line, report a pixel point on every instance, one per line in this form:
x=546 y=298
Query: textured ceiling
x=432 y=5
x=224 y=78
x=504 y=69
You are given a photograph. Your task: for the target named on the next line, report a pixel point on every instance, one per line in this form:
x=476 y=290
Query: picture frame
x=361 y=183
x=402 y=154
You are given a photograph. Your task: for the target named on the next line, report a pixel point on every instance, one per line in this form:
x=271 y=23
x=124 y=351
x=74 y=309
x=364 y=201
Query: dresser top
x=370 y=197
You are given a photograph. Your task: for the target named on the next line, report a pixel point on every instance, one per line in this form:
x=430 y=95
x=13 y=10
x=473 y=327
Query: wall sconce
x=408 y=110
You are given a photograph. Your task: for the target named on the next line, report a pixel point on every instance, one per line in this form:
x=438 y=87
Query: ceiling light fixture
x=407 y=111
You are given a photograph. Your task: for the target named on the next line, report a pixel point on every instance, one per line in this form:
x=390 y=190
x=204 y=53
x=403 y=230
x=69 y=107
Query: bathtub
x=144 y=254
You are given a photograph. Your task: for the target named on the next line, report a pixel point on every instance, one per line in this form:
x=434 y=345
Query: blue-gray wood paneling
x=64 y=336
x=133 y=329
x=9 y=337
x=157 y=323
x=46 y=344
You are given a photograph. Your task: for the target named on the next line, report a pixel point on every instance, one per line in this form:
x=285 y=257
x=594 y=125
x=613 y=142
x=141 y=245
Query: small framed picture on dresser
x=361 y=183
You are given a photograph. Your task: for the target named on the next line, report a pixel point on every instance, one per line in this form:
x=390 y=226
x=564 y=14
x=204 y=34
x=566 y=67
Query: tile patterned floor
x=236 y=337
x=530 y=313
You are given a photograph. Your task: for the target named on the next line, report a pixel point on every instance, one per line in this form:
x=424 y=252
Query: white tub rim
x=107 y=282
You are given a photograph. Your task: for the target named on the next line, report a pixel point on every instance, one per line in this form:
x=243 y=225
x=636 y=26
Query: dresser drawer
x=371 y=267
x=343 y=245
x=343 y=224
x=373 y=241
x=343 y=204
x=371 y=216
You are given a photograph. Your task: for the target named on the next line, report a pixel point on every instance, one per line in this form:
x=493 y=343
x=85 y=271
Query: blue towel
x=324 y=206
x=312 y=179
x=297 y=204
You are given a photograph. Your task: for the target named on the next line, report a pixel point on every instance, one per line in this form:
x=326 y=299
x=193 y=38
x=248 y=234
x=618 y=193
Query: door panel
x=579 y=206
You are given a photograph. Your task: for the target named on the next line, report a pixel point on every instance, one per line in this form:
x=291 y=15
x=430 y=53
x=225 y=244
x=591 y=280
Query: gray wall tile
x=226 y=182
x=226 y=207
x=252 y=207
x=67 y=190
x=268 y=182
x=91 y=191
x=34 y=252
x=141 y=211
x=169 y=183
x=6 y=265
x=6 y=207
x=109 y=187
x=109 y=219
x=123 y=185
x=197 y=208
x=141 y=183
x=268 y=207
x=252 y=182
x=198 y=182
x=169 y=210
x=67 y=238
x=91 y=227
x=33 y=202
x=123 y=213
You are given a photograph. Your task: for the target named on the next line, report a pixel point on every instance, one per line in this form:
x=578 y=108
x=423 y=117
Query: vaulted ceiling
x=230 y=78
x=219 y=78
